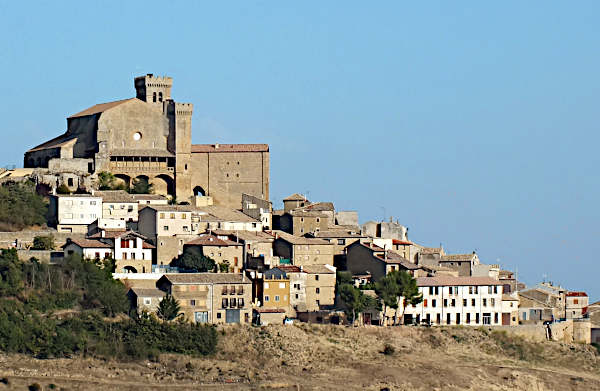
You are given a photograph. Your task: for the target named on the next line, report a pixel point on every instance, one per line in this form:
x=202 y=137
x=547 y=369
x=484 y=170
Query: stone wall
x=25 y=238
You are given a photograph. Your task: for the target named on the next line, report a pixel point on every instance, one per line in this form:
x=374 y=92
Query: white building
x=131 y=252
x=118 y=205
x=447 y=300
x=74 y=212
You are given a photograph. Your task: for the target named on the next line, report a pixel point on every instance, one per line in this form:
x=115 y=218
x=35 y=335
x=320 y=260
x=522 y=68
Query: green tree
x=387 y=290
x=43 y=243
x=21 y=206
x=11 y=278
x=408 y=291
x=224 y=267
x=168 y=308
x=353 y=298
x=342 y=278
x=141 y=186
x=193 y=260
x=107 y=181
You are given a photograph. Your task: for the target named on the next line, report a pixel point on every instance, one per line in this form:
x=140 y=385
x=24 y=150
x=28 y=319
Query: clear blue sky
x=473 y=123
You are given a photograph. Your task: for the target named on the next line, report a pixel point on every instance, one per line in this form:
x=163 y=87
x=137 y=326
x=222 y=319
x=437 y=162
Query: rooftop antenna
x=383 y=208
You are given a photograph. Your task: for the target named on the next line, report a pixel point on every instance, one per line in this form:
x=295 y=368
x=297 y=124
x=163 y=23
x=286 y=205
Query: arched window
x=154 y=97
x=160 y=96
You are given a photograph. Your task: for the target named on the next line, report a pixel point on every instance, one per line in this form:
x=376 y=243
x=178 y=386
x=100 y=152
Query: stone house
x=339 y=238
x=385 y=230
x=118 y=205
x=257 y=245
x=210 y=297
x=320 y=287
x=368 y=258
x=464 y=263
x=468 y=301
x=74 y=212
x=312 y=287
x=302 y=251
x=145 y=299
x=294 y=201
x=543 y=302
x=220 y=250
x=300 y=221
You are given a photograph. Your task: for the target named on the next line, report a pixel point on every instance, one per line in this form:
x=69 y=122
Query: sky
x=475 y=124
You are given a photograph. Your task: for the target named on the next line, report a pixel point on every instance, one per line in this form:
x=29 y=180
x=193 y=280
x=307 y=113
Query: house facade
x=210 y=297
x=74 y=212
x=467 y=301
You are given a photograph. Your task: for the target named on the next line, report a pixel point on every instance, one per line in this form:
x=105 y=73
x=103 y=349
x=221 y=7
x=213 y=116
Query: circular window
x=137 y=136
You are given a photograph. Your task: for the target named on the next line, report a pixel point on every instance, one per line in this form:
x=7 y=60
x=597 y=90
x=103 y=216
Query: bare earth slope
x=311 y=357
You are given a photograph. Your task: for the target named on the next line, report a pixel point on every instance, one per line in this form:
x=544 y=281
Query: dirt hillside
x=311 y=357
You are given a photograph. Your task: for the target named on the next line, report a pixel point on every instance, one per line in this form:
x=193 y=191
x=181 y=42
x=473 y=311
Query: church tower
x=153 y=89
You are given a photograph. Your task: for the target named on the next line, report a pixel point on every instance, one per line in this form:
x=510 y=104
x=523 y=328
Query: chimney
x=216 y=145
x=103 y=233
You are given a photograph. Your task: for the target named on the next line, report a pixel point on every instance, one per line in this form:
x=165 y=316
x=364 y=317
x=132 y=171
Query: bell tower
x=153 y=89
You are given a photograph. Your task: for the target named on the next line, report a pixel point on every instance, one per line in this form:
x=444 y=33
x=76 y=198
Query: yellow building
x=275 y=290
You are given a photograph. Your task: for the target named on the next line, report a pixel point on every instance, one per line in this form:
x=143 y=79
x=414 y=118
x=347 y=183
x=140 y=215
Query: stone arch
x=199 y=191
x=130 y=269
x=163 y=185
x=123 y=179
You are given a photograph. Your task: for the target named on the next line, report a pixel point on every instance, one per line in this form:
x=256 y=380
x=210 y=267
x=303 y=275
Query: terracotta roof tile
x=205 y=278
x=88 y=243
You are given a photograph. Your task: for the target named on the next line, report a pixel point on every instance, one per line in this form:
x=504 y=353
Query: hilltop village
x=194 y=223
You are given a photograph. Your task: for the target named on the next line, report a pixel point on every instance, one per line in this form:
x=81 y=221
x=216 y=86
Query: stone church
x=149 y=137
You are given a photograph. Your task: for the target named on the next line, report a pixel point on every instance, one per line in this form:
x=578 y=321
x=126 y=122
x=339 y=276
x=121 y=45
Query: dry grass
x=310 y=357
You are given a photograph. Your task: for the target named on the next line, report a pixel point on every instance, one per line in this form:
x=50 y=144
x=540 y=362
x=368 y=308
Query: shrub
x=43 y=243
x=193 y=260
x=35 y=387
x=63 y=189
x=388 y=349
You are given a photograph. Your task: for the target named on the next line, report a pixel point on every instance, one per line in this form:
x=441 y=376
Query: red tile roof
x=289 y=268
x=214 y=148
x=577 y=294
x=88 y=243
x=402 y=242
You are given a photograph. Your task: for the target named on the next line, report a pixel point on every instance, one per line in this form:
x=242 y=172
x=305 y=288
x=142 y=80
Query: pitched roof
x=337 y=233
x=115 y=196
x=222 y=213
x=56 y=142
x=205 y=278
x=148 y=197
x=456 y=281
x=290 y=268
x=317 y=269
x=457 y=257
x=320 y=206
x=211 y=240
x=170 y=208
x=115 y=233
x=506 y=297
x=576 y=294
x=219 y=148
x=99 y=108
x=298 y=239
x=432 y=250
x=147 y=292
x=88 y=243
x=250 y=236
x=295 y=197
x=401 y=242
